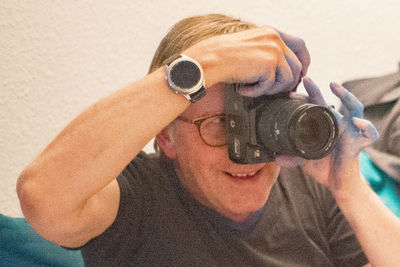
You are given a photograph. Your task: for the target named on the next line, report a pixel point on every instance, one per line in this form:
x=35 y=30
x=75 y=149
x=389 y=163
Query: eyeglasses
x=212 y=129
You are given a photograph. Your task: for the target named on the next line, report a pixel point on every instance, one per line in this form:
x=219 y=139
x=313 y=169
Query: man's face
x=234 y=190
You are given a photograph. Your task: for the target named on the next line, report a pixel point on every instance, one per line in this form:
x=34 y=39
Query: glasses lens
x=213 y=131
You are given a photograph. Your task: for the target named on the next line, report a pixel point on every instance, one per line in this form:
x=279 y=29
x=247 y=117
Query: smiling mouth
x=248 y=175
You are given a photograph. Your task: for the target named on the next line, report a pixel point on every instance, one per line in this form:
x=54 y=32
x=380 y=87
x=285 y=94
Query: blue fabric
x=20 y=245
x=384 y=185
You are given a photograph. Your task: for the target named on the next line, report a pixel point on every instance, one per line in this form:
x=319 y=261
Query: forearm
x=376 y=228
x=76 y=173
x=94 y=148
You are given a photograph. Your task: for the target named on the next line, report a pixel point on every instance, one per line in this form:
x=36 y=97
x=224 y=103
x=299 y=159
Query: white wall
x=58 y=57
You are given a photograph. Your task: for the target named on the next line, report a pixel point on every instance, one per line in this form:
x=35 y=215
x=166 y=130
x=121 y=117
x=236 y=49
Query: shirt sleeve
x=129 y=217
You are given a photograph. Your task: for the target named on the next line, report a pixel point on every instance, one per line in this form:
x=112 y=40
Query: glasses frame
x=199 y=121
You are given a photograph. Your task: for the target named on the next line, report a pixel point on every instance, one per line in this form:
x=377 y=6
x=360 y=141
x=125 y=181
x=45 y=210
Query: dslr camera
x=259 y=128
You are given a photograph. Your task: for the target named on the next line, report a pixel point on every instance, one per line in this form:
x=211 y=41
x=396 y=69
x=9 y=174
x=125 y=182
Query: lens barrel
x=297 y=128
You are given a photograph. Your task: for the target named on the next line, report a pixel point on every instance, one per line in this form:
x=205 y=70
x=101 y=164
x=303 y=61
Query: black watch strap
x=198 y=94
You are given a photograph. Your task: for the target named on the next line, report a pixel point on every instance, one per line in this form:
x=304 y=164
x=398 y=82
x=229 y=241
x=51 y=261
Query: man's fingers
x=367 y=129
x=283 y=71
x=298 y=46
x=274 y=81
x=296 y=68
x=313 y=92
x=283 y=78
x=351 y=103
x=257 y=89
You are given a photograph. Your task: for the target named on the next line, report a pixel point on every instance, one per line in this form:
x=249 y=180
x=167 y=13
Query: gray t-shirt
x=160 y=224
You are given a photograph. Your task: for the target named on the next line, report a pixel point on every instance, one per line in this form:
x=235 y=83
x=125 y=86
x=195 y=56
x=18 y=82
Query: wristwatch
x=185 y=77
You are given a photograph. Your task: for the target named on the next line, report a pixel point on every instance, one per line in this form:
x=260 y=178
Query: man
x=192 y=205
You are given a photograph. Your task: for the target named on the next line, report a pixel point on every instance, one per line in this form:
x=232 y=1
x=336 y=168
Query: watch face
x=185 y=74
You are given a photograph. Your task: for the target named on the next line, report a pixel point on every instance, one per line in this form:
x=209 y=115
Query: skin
x=204 y=169
x=69 y=193
x=340 y=172
x=355 y=133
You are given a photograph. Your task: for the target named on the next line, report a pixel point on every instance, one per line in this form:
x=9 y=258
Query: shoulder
x=299 y=184
x=311 y=202
x=143 y=163
x=143 y=169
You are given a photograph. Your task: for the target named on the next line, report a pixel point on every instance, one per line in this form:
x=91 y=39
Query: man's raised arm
x=69 y=193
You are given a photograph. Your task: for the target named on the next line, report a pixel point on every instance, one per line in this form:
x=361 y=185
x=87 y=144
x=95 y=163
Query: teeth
x=243 y=174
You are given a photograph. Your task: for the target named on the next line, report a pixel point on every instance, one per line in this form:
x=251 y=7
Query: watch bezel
x=176 y=88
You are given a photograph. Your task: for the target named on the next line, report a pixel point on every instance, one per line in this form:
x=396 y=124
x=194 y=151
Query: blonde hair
x=190 y=31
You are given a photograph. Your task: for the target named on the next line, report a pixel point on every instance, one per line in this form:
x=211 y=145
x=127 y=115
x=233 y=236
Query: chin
x=241 y=210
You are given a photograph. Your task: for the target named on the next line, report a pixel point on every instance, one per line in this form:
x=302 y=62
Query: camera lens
x=313 y=131
x=294 y=127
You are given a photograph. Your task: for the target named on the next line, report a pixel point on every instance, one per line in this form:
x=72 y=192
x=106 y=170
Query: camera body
x=259 y=128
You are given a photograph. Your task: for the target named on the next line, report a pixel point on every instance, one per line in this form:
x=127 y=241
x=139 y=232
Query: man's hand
x=355 y=133
x=263 y=59
x=375 y=226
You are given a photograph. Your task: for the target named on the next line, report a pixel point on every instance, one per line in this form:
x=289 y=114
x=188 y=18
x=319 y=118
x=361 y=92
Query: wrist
x=208 y=61
x=348 y=180
x=352 y=191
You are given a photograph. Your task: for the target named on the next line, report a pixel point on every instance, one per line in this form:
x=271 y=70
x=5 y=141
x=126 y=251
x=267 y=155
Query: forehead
x=211 y=104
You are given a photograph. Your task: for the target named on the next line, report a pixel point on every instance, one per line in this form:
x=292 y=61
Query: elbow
x=34 y=203
x=43 y=211
x=27 y=192
x=33 y=199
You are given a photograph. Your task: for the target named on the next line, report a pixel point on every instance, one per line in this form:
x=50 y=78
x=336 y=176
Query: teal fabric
x=384 y=185
x=20 y=245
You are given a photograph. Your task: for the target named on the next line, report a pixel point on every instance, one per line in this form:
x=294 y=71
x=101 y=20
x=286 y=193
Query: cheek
x=199 y=165
x=192 y=150
x=200 y=160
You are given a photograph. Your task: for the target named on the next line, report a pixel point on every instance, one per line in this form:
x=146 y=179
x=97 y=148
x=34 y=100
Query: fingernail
x=336 y=88
x=334 y=84
x=307 y=78
x=356 y=121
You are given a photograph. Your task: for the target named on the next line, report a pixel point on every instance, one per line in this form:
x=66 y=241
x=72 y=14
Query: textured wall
x=58 y=57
